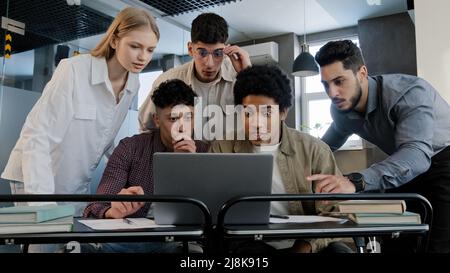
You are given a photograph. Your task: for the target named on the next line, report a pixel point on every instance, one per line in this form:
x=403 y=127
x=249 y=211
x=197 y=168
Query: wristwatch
x=358 y=180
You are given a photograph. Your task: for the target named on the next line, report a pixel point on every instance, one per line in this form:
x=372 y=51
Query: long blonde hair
x=126 y=20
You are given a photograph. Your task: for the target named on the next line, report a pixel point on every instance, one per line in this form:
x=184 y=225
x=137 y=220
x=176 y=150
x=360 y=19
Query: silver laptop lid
x=213 y=179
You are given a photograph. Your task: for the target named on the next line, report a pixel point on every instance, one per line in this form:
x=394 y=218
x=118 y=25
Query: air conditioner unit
x=264 y=53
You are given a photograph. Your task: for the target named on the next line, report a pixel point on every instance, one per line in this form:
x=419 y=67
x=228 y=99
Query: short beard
x=354 y=100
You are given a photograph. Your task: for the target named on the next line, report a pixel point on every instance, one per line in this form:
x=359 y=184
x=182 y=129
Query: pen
x=279 y=216
x=127 y=221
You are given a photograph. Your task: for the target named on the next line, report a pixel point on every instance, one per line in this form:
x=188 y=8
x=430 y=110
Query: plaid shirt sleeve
x=114 y=179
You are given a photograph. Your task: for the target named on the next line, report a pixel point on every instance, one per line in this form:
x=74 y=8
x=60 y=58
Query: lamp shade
x=304 y=64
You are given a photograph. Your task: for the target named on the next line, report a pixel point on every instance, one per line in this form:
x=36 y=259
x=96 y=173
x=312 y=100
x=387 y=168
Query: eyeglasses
x=217 y=53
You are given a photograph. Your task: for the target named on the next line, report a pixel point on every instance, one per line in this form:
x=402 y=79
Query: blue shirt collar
x=372 y=98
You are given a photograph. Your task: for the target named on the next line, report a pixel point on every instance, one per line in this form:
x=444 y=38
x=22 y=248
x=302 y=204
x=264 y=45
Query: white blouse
x=70 y=128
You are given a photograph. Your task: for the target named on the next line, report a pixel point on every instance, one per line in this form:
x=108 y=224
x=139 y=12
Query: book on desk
x=369 y=206
x=375 y=212
x=406 y=218
x=34 y=214
x=64 y=224
x=36 y=219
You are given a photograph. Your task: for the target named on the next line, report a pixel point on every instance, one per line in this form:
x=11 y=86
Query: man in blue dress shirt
x=405 y=117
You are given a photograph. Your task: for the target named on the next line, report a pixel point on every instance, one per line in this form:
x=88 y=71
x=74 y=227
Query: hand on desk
x=325 y=183
x=123 y=209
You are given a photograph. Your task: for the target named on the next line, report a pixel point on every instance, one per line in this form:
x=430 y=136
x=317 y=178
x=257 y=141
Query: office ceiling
x=176 y=7
x=51 y=22
x=264 y=18
x=254 y=19
x=55 y=22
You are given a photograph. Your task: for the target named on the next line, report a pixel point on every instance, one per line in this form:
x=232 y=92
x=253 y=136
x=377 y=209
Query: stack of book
x=376 y=212
x=36 y=219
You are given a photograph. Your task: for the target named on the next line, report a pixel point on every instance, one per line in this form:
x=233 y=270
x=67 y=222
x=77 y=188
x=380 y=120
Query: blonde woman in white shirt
x=81 y=109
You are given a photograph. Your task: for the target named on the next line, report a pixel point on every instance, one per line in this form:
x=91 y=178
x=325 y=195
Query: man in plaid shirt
x=130 y=167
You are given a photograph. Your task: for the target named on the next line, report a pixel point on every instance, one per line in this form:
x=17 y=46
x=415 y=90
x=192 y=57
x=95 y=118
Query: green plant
x=317 y=127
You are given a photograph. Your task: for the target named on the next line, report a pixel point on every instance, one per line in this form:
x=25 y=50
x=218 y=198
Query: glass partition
x=54 y=30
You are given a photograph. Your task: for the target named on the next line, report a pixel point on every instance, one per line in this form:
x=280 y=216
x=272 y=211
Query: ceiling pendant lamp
x=304 y=64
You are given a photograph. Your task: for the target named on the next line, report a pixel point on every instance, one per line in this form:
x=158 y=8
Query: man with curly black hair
x=211 y=73
x=265 y=95
x=130 y=167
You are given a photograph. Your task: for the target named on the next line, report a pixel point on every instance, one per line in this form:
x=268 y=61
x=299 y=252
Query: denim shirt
x=406 y=118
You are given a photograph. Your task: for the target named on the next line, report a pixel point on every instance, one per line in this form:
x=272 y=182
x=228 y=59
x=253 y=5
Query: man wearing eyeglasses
x=212 y=71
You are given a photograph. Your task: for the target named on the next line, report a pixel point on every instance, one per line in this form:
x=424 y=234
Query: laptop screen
x=213 y=179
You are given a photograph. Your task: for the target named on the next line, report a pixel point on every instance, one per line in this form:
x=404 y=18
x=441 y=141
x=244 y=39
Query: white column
x=433 y=43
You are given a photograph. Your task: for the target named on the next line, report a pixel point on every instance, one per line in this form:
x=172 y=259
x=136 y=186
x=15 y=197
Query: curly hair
x=209 y=28
x=264 y=80
x=344 y=51
x=173 y=92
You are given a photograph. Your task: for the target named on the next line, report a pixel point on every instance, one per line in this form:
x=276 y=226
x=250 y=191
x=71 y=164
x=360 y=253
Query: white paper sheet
x=126 y=223
x=306 y=219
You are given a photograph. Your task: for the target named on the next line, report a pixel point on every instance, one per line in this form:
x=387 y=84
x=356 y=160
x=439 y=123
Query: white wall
x=433 y=43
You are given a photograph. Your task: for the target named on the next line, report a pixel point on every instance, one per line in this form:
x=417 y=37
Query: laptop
x=213 y=179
